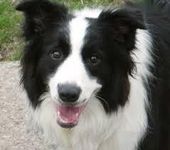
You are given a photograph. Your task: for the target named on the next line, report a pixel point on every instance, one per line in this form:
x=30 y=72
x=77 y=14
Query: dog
x=98 y=79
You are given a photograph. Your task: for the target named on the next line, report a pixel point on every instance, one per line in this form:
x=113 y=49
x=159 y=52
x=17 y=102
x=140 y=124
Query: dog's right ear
x=40 y=14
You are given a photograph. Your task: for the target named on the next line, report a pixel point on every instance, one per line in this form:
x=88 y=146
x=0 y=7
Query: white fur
x=72 y=70
x=89 y=13
x=96 y=130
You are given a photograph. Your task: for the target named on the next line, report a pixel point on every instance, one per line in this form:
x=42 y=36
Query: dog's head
x=76 y=57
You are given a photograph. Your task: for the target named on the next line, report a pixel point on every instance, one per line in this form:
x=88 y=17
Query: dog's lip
x=68 y=114
x=76 y=104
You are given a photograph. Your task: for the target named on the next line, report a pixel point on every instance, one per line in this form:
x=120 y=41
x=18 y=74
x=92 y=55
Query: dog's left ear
x=40 y=15
x=123 y=21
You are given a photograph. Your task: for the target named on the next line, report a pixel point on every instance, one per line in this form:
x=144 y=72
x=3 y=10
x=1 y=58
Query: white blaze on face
x=73 y=70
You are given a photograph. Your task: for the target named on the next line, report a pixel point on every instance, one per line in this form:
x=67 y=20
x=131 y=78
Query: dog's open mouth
x=68 y=115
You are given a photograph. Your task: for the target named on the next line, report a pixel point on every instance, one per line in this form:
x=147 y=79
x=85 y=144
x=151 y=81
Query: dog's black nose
x=69 y=92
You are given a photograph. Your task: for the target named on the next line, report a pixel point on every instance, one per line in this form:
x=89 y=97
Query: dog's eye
x=94 y=60
x=56 y=54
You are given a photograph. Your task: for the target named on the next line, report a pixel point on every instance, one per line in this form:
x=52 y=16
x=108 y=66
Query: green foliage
x=9 y=30
x=76 y=4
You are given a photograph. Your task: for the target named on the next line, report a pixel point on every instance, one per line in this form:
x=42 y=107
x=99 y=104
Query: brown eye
x=94 y=60
x=56 y=55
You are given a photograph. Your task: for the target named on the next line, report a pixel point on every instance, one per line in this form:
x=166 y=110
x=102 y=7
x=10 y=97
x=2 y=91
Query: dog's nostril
x=68 y=92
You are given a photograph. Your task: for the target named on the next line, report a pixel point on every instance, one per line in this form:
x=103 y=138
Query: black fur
x=45 y=30
x=115 y=39
x=158 y=135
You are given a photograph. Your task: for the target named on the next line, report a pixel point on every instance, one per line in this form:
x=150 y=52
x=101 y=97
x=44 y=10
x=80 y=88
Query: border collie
x=98 y=79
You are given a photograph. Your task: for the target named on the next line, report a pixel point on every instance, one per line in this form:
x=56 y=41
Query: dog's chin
x=68 y=114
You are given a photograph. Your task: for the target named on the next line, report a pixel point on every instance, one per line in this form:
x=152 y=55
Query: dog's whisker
x=103 y=100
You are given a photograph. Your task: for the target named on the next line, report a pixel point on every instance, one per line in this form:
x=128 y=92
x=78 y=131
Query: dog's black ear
x=39 y=14
x=123 y=21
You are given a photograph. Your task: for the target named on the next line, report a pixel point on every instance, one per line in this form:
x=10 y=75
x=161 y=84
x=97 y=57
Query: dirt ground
x=13 y=129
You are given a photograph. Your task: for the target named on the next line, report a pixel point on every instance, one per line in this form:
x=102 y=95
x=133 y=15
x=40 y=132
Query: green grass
x=10 y=44
x=10 y=22
x=76 y=4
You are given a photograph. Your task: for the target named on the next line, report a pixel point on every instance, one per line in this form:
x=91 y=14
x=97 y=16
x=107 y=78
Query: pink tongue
x=69 y=114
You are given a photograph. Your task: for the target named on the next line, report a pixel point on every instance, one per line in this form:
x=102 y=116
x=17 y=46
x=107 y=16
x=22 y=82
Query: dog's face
x=77 y=58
